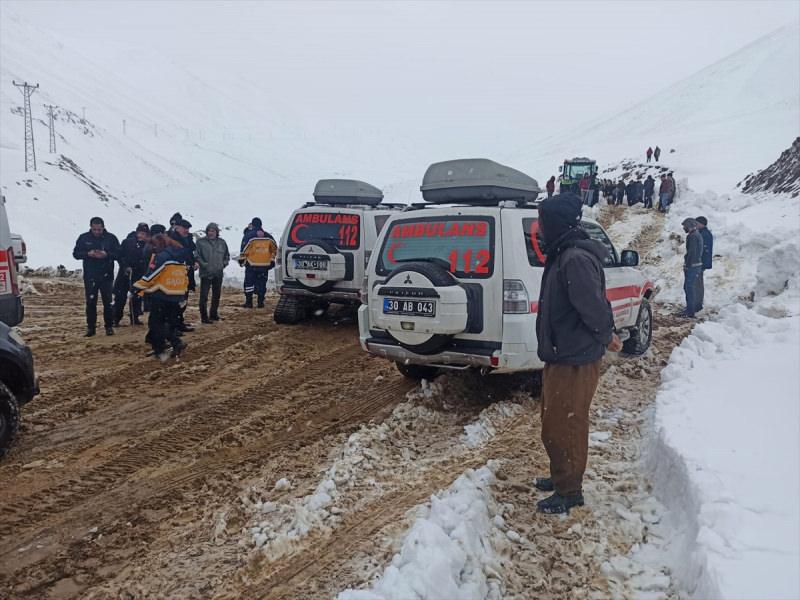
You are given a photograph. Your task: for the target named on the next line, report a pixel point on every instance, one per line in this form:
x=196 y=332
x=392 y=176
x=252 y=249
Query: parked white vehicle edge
x=12 y=310
x=20 y=248
x=455 y=283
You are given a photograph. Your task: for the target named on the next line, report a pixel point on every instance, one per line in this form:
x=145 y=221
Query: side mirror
x=629 y=258
x=560 y=168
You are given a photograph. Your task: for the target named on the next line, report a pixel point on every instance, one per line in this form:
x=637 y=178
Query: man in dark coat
x=180 y=233
x=649 y=154
x=98 y=250
x=708 y=253
x=692 y=265
x=551 y=186
x=649 y=188
x=657 y=153
x=132 y=267
x=574 y=327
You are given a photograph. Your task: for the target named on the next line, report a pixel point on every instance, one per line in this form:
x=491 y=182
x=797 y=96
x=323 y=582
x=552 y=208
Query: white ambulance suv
x=325 y=248
x=12 y=310
x=454 y=282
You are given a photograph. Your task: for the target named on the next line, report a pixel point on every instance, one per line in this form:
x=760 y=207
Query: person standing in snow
x=692 y=265
x=664 y=194
x=619 y=192
x=255 y=275
x=132 y=266
x=657 y=153
x=98 y=250
x=551 y=186
x=213 y=257
x=649 y=187
x=674 y=187
x=649 y=154
x=574 y=327
x=583 y=185
x=708 y=253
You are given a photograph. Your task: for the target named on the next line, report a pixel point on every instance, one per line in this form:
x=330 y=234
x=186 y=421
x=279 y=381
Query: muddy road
x=283 y=462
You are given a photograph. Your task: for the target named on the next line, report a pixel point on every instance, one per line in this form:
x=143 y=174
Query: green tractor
x=572 y=171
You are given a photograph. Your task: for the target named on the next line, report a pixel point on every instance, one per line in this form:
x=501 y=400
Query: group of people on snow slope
x=616 y=192
x=157 y=271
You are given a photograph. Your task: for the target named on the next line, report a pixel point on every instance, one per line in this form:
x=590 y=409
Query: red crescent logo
x=535 y=242
x=390 y=252
x=293 y=234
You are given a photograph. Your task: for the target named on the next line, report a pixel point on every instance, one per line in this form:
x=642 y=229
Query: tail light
x=515 y=297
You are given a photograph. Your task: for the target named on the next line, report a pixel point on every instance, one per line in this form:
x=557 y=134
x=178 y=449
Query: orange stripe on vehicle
x=625 y=291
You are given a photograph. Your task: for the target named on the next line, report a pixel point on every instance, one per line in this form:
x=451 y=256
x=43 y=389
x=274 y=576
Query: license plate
x=409 y=308
x=311 y=265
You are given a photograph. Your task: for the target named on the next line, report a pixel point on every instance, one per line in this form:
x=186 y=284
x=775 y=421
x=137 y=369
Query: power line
x=30 y=151
x=50 y=109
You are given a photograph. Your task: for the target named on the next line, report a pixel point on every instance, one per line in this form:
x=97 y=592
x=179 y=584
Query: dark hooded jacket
x=575 y=322
x=132 y=256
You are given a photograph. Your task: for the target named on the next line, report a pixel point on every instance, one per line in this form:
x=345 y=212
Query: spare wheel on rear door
x=421 y=305
x=316 y=265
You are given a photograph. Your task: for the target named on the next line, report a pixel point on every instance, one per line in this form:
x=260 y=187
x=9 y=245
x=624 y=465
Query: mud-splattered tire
x=290 y=310
x=642 y=333
x=9 y=418
x=417 y=372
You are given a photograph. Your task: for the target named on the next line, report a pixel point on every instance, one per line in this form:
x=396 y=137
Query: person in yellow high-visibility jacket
x=257 y=256
x=165 y=286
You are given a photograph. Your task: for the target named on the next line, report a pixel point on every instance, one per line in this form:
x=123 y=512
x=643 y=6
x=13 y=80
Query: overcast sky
x=525 y=66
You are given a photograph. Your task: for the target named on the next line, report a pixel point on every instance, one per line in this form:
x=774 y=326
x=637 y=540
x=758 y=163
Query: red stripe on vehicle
x=625 y=291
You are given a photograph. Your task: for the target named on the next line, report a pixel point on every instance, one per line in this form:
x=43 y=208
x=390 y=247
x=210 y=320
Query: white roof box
x=476 y=180
x=346 y=191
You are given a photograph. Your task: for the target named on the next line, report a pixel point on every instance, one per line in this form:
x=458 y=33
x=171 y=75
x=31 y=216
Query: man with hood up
x=574 y=327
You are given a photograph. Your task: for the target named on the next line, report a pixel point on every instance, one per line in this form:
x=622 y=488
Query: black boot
x=109 y=330
x=248 y=301
x=544 y=484
x=261 y=302
x=90 y=331
x=558 y=504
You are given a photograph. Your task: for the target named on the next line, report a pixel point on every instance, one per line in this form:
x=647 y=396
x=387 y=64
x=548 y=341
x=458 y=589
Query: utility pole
x=50 y=108
x=30 y=152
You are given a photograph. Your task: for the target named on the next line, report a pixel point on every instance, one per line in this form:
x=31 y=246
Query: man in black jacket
x=649 y=188
x=692 y=265
x=574 y=327
x=132 y=267
x=98 y=250
x=181 y=234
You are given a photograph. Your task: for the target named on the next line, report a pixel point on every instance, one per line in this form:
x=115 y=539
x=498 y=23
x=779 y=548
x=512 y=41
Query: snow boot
x=178 y=348
x=109 y=331
x=90 y=331
x=216 y=318
x=206 y=320
x=544 y=484
x=558 y=504
x=248 y=301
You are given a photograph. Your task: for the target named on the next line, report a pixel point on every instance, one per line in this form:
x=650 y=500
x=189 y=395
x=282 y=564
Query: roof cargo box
x=476 y=180
x=346 y=191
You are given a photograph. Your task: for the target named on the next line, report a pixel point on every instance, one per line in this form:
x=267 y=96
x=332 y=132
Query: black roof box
x=346 y=191
x=477 y=181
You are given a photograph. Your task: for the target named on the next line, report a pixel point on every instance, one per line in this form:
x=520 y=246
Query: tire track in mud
x=20 y=513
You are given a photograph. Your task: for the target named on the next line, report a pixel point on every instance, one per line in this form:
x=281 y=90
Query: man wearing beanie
x=574 y=327
x=132 y=266
x=255 y=276
x=708 y=253
x=182 y=235
x=692 y=265
x=213 y=257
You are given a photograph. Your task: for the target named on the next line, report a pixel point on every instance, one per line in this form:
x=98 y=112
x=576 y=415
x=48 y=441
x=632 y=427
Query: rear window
x=462 y=245
x=340 y=229
x=534 y=245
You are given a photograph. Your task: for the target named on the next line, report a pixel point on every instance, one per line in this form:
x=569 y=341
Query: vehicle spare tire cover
x=315 y=253
x=422 y=283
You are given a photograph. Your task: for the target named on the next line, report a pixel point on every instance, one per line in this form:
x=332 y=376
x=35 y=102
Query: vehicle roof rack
x=346 y=191
x=476 y=181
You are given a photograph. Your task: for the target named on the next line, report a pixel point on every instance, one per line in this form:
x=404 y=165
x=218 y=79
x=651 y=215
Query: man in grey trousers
x=692 y=265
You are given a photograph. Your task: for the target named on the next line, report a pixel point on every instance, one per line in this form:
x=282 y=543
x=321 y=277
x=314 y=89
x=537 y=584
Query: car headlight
x=16 y=337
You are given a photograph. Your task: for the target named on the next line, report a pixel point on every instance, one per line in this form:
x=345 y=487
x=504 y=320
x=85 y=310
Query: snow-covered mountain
x=212 y=153
x=723 y=122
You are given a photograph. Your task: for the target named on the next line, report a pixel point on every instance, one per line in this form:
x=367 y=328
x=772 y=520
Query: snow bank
x=726 y=458
x=448 y=551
